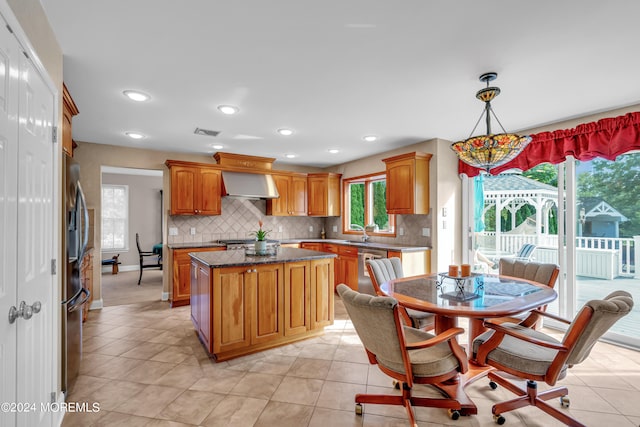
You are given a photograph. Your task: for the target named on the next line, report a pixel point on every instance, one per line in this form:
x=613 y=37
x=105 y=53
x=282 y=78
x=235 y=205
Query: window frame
x=367 y=180
x=126 y=218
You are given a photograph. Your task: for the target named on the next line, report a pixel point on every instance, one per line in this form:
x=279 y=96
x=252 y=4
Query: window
x=365 y=201
x=115 y=217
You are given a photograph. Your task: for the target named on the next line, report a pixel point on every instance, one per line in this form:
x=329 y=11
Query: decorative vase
x=261 y=246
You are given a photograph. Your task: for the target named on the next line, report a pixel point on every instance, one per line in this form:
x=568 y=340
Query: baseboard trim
x=96 y=304
x=107 y=269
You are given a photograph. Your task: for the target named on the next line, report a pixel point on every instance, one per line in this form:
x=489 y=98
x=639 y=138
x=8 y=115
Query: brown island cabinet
x=242 y=305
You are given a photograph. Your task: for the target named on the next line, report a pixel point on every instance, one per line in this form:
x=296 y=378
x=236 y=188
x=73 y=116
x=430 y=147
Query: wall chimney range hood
x=248 y=185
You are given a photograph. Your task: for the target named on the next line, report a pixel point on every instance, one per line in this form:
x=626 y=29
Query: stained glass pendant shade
x=490 y=150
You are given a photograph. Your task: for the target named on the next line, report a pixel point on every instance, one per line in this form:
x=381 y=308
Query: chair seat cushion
x=426 y=362
x=521 y=355
x=421 y=319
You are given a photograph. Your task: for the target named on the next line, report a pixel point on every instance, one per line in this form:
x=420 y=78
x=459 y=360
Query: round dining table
x=476 y=297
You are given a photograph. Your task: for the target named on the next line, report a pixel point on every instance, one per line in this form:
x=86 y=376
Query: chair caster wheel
x=499 y=419
x=564 y=401
x=454 y=414
x=493 y=385
x=358 y=409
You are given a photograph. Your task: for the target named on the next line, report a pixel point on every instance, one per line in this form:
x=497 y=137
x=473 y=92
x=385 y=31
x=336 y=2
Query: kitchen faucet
x=365 y=237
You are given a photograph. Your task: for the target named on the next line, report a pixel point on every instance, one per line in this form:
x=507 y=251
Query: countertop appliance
x=74 y=294
x=364 y=281
x=238 y=244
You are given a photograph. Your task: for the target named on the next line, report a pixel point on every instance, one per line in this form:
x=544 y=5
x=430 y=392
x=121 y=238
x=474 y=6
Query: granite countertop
x=364 y=245
x=196 y=245
x=355 y=243
x=217 y=259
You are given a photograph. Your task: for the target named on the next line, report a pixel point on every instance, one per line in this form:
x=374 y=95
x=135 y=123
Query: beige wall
x=145 y=216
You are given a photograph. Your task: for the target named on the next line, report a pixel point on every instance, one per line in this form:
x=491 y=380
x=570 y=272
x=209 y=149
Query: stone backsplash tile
x=240 y=217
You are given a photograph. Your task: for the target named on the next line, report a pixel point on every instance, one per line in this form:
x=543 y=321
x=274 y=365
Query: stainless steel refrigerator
x=74 y=294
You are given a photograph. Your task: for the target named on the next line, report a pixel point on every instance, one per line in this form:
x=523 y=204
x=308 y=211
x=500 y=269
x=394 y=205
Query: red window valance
x=607 y=138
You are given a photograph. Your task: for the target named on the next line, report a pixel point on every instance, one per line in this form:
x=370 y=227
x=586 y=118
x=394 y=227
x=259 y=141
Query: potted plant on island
x=261 y=239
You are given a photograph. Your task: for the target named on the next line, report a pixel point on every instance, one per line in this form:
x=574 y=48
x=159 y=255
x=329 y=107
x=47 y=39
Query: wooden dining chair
x=143 y=255
x=534 y=356
x=384 y=269
x=408 y=355
x=543 y=273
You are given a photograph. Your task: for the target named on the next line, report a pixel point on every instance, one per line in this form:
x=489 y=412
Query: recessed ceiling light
x=334 y=151
x=217 y=146
x=134 y=95
x=228 y=109
x=290 y=156
x=134 y=135
x=285 y=132
x=370 y=138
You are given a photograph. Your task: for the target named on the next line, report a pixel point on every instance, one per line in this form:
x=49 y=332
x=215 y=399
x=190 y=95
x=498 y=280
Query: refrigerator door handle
x=84 y=300
x=84 y=239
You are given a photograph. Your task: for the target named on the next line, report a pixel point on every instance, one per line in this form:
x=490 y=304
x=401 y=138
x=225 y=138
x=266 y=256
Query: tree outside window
x=365 y=205
x=115 y=217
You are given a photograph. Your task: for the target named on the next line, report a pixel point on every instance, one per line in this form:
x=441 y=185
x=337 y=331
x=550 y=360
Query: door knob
x=25 y=311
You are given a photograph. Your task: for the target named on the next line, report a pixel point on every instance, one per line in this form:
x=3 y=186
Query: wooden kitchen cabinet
x=181 y=289
x=246 y=306
x=195 y=188
x=292 y=189
x=408 y=183
x=323 y=194
x=255 y=307
x=414 y=263
x=346 y=264
x=231 y=301
x=297 y=298
x=322 y=280
x=86 y=277
x=69 y=109
x=313 y=246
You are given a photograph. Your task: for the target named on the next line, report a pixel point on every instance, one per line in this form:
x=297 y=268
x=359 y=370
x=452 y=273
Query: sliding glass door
x=584 y=216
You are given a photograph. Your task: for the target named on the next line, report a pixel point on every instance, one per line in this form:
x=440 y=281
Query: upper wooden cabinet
x=408 y=183
x=292 y=189
x=195 y=188
x=324 y=194
x=69 y=110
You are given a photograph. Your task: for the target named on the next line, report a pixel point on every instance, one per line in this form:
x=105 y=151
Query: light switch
x=311 y=228
x=173 y=231
x=426 y=232
x=193 y=231
x=335 y=228
x=279 y=229
x=401 y=231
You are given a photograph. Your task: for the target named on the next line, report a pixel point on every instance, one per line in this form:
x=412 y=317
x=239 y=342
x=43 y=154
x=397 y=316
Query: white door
x=35 y=241
x=9 y=62
x=27 y=235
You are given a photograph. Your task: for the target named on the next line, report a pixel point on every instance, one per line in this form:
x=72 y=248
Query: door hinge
x=53 y=267
x=54 y=135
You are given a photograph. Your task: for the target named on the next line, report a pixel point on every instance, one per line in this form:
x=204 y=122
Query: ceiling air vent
x=206 y=132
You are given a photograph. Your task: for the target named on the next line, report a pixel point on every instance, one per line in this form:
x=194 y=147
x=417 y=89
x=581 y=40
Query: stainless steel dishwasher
x=364 y=282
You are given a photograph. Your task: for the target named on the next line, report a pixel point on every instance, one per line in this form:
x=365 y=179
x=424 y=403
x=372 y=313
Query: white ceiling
x=336 y=70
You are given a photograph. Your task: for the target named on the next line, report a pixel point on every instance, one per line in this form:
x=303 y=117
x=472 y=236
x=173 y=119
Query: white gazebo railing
x=599 y=257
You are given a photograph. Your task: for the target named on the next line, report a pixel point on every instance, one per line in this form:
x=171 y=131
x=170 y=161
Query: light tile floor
x=145 y=367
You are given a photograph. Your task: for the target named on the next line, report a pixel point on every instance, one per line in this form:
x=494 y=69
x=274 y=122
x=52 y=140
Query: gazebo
x=512 y=191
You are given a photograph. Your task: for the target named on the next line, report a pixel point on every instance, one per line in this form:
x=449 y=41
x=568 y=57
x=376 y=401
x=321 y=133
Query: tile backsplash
x=240 y=217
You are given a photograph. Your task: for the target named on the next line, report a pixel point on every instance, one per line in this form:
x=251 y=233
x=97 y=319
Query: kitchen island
x=242 y=304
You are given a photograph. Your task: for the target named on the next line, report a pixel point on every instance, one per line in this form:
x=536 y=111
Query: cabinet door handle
x=249 y=271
